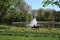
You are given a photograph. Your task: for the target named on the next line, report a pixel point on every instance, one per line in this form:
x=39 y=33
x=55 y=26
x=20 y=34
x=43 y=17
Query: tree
x=57 y=16
x=40 y=14
x=52 y=2
x=5 y=7
x=24 y=8
x=14 y=11
x=46 y=16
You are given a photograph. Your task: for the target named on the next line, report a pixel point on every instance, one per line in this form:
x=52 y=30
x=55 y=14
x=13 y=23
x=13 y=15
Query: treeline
x=20 y=11
x=48 y=15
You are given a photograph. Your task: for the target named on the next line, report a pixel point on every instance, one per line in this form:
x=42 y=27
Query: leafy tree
x=24 y=8
x=5 y=7
x=14 y=10
x=40 y=14
x=52 y=2
x=57 y=16
x=46 y=16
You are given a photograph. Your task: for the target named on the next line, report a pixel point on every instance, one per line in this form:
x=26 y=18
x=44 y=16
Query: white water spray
x=33 y=23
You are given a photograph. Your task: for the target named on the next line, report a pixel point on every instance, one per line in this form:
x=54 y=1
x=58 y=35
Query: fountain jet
x=33 y=22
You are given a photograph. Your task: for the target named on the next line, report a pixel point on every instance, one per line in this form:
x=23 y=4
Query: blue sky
x=36 y=4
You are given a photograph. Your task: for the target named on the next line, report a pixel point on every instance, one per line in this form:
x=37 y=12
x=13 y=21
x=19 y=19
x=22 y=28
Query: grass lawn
x=2 y=37
x=8 y=32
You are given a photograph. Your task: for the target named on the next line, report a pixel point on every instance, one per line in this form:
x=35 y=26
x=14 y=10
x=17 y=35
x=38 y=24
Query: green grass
x=8 y=32
x=2 y=37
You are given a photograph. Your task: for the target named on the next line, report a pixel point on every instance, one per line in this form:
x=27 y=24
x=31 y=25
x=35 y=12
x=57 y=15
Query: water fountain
x=33 y=23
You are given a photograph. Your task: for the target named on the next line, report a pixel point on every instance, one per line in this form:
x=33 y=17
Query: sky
x=36 y=4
